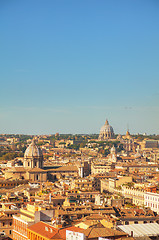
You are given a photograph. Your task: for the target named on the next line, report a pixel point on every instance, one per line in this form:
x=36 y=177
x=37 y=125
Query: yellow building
x=28 y=214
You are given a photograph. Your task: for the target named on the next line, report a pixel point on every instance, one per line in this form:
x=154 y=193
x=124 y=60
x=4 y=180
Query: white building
x=151 y=200
x=137 y=195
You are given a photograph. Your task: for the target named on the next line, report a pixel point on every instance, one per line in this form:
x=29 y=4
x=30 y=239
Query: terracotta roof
x=4 y=217
x=94 y=232
x=94 y=217
x=44 y=229
x=63 y=168
x=16 y=169
x=36 y=170
x=57 y=236
x=136 y=213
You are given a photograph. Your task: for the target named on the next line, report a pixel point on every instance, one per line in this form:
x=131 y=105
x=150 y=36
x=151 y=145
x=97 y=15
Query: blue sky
x=66 y=66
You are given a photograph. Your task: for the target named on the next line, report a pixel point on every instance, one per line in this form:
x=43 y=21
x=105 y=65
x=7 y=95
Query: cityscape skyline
x=68 y=66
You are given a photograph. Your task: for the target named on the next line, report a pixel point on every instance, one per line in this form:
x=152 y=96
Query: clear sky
x=67 y=65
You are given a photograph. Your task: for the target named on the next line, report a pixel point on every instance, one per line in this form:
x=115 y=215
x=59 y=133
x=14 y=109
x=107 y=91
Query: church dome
x=106 y=131
x=33 y=151
x=107 y=128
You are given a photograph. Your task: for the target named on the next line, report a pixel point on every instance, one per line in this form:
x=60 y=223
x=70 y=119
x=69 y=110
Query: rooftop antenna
x=128 y=127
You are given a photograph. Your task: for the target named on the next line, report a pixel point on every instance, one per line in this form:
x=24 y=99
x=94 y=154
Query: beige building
x=83 y=184
x=112 y=184
x=100 y=168
x=142 y=167
x=137 y=195
x=6 y=218
x=37 y=175
x=149 y=144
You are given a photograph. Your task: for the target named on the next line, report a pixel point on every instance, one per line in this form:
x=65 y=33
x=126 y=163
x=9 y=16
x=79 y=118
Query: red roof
x=48 y=231
x=43 y=229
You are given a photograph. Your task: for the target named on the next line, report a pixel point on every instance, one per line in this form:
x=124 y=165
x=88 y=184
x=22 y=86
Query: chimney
x=131 y=233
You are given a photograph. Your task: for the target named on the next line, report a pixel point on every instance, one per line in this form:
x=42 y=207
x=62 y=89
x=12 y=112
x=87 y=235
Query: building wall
x=136 y=194
x=100 y=169
x=38 y=177
x=136 y=221
x=6 y=225
x=15 y=175
x=84 y=183
x=11 y=184
x=151 y=200
x=29 y=213
x=104 y=185
x=19 y=228
x=111 y=184
x=149 y=144
x=142 y=168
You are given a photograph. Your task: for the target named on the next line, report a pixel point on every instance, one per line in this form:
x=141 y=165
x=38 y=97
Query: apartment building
x=151 y=200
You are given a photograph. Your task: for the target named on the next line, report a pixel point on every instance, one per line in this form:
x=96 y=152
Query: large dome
x=106 y=128
x=33 y=151
x=106 y=131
